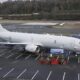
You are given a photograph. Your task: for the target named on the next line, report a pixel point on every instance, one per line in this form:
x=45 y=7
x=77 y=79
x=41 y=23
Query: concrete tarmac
x=66 y=29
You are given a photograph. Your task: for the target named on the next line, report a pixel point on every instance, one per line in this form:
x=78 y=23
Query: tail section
x=3 y=29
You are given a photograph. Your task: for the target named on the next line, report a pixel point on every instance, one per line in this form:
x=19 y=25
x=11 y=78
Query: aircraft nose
x=77 y=48
x=77 y=45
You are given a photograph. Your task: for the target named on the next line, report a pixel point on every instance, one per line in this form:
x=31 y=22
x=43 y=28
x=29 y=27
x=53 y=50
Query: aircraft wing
x=23 y=43
x=11 y=43
x=31 y=47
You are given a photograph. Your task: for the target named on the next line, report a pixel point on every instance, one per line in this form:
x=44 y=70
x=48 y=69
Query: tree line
x=24 y=7
x=46 y=7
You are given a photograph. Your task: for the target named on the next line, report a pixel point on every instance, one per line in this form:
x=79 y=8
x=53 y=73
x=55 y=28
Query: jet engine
x=32 y=48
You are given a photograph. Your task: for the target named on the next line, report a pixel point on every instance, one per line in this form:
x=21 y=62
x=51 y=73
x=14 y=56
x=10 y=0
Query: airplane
x=44 y=24
x=34 y=43
x=41 y=23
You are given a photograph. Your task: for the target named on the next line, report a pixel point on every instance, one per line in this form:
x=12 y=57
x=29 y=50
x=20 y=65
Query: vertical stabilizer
x=3 y=29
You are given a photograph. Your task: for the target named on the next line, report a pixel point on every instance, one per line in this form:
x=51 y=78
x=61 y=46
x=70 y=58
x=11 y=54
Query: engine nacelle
x=32 y=48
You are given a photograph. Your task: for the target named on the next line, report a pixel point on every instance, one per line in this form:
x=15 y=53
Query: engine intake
x=32 y=48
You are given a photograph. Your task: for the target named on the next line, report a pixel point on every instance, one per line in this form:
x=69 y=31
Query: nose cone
x=76 y=48
x=77 y=45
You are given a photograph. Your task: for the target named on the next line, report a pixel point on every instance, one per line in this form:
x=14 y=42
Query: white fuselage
x=44 y=40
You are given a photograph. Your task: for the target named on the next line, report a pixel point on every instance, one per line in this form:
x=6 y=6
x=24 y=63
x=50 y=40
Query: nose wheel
x=73 y=53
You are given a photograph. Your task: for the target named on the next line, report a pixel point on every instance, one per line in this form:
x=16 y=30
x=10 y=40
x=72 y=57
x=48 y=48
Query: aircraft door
x=65 y=43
